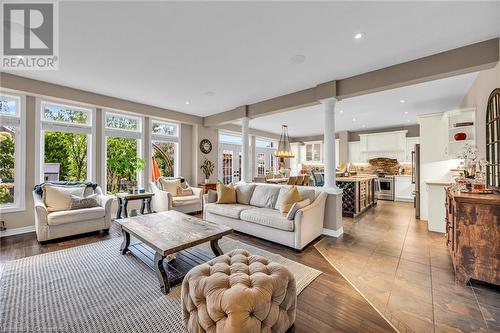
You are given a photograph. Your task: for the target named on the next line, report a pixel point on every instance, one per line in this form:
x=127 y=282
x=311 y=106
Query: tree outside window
x=122 y=162
x=164 y=154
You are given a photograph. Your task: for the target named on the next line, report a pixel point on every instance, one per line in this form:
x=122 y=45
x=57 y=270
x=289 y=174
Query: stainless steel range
x=384 y=187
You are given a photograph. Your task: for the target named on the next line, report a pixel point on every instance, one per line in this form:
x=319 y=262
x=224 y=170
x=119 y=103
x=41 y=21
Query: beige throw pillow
x=289 y=198
x=184 y=192
x=170 y=185
x=225 y=194
x=57 y=197
x=84 y=202
x=296 y=206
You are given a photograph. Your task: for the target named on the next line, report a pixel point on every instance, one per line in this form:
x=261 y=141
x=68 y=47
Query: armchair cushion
x=170 y=185
x=58 y=197
x=185 y=200
x=184 y=192
x=268 y=217
x=69 y=216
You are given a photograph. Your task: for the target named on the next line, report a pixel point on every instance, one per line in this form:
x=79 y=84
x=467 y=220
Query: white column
x=329 y=143
x=245 y=152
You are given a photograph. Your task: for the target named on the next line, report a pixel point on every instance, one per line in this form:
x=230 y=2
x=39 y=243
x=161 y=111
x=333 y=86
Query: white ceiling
x=377 y=110
x=166 y=53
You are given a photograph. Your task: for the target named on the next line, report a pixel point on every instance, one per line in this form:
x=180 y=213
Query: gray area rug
x=93 y=288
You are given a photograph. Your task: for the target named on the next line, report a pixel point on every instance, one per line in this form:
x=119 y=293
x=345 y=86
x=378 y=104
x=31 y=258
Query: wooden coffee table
x=165 y=233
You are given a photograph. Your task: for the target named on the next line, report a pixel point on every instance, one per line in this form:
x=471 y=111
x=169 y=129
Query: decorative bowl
x=460 y=136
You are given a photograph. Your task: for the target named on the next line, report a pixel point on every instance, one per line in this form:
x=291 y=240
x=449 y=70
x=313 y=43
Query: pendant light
x=284 y=149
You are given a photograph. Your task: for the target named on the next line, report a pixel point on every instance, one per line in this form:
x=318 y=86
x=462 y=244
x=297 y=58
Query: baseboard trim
x=333 y=233
x=17 y=231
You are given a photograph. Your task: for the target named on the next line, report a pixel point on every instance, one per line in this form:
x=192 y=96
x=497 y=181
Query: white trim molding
x=333 y=233
x=17 y=231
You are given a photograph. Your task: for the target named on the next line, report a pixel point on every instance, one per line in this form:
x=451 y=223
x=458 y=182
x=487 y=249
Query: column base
x=333 y=233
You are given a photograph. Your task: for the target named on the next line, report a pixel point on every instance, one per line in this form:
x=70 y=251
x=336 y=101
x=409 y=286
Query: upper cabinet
x=314 y=152
x=355 y=155
x=385 y=144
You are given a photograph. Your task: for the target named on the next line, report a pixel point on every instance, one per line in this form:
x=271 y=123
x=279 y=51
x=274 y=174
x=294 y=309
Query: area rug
x=92 y=288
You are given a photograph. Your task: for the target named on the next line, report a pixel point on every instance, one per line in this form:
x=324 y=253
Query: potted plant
x=208 y=168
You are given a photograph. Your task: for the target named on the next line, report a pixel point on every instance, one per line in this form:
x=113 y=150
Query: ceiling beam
x=50 y=90
x=463 y=60
x=226 y=116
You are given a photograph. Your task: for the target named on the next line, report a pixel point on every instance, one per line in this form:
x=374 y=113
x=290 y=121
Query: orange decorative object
x=460 y=136
x=156 y=171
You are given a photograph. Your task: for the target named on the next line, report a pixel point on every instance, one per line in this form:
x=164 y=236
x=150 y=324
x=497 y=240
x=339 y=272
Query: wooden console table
x=207 y=186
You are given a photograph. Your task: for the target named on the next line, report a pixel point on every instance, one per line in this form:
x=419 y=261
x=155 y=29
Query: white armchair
x=163 y=200
x=71 y=222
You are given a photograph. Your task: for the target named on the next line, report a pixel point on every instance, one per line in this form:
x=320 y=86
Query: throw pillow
x=289 y=198
x=296 y=206
x=244 y=193
x=170 y=185
x=184 y=192
x=211 y=196
x=57 y=198
x=225 y=193
x=84 y=202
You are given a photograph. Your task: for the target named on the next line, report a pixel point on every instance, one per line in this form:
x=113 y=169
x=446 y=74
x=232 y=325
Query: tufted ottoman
x=239 y=292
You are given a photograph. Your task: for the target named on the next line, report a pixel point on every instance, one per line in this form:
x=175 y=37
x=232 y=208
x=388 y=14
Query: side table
x=207 y=186
x=124 y=198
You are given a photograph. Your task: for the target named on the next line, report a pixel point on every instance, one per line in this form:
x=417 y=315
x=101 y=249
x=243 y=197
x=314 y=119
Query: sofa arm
x=309 y=221
x=41 y=212
x=106 y=201
x=162 y=200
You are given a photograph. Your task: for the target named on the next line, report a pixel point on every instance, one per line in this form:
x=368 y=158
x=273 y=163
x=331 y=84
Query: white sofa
x=71 y=222
x=261 y=216
x=163 y=200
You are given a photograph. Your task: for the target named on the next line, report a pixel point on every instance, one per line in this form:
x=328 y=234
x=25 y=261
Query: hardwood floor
x=406 y=272
x=328 y=304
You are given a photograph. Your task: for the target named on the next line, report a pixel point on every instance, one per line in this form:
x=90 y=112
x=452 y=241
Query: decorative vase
x=207 y=180
x=460 y=136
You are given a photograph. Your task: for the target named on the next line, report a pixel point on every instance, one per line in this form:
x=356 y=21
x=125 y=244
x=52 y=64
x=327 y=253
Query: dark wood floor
x=328 y=304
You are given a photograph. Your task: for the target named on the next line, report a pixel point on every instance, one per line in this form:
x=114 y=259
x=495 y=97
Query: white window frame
x=138 y=134
x=19 y=122
x=42 y=125
x=165 y=139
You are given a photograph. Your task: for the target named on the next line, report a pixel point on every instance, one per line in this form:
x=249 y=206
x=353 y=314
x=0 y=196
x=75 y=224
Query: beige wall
x=477 y=97
x=211 y=134
x=186 y=155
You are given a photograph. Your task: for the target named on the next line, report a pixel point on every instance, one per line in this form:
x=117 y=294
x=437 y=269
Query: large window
x=66 y=137
x=164 y=152
x=124 y=162
x=12 y=147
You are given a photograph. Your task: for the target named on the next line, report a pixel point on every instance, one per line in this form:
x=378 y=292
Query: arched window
x=493 y=139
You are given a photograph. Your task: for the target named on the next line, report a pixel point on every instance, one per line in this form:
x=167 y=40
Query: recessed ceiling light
x=353 y=119
x=402 y=101
x=297 y=59
x=363 y=125
x=408 y=120
x=210 y=93
x=359 y=35
x=341 y=111
x=406 y=112
x=186 y=102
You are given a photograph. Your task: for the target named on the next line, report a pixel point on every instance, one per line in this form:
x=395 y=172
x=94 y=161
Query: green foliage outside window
x=122 y=162
x=164 y=153
x=7 y=150
x=66 y=115
x=70 y=151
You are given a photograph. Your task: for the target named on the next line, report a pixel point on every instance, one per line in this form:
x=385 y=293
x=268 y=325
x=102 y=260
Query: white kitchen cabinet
x=403 y=188
x=355 y=155
x=384 y=144
x=410 y=146
x=314 y=152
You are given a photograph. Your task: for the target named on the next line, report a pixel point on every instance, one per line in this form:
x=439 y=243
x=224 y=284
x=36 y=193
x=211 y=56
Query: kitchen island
x=358 y=194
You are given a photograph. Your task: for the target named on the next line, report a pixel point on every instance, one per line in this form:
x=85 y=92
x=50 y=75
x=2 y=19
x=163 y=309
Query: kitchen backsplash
x=389 y=167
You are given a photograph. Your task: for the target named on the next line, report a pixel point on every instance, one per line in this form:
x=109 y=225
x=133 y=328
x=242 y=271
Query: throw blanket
x=39 y=188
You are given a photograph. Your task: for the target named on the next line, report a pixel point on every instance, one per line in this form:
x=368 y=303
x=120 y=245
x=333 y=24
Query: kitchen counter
x=358 y=194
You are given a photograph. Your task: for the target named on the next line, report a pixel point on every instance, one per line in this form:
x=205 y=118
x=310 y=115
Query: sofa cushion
x=244 y=193
x=58 y=197
x=227 y=210
x=305 y=193
x=264 y=196
x=226 y=194
x=268 y=217
x=77 y=215
x=184 y=201
x=84 y=202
